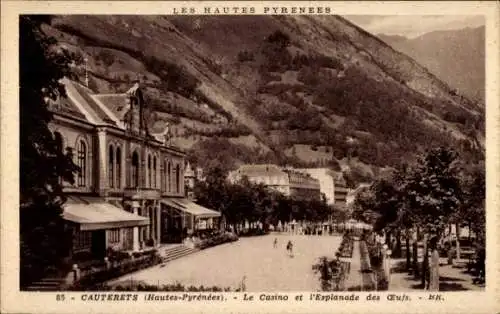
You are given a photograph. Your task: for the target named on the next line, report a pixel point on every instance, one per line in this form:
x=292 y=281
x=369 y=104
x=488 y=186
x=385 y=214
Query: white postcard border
x=14 y=301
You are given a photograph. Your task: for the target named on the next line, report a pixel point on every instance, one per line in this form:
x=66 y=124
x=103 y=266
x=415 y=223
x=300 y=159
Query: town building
x=191 y=176
x=341 y=190
x=129 y=192
x=326 y=178
x=302 y=185
x=288 y=181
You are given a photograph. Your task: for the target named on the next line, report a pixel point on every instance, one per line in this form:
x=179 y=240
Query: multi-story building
x=190 y=179
x=198 y=172
x=303 y=185
x=287 y=181
x=341 y=190
x=326 y=178
x=271 y=176
x=129 y=191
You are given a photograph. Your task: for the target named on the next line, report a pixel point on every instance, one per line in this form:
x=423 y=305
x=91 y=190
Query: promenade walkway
x=451 y=278
x=358 y=279
x=252 y=260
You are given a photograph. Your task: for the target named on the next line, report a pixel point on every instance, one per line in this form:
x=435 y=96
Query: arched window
x=135 y=170
x=82 y=163
x=177 y=179
x=118 y=167
x=154 y=172
x=149 y=171
x=169 y=174
x=111 y=167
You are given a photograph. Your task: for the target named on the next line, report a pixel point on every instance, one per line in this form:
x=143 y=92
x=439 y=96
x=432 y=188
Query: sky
x=414 y=25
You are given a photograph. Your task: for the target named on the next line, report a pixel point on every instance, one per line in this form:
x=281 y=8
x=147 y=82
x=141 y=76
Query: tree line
x=247 y=201
x=420 y=202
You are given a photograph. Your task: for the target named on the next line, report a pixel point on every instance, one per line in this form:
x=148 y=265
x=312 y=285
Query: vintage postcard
x=285 y=157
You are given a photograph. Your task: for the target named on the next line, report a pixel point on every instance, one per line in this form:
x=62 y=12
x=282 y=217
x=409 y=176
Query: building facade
x=326 y=178
x=341 y=190
x=288 y=181
x=303 y=185
x=121 y=195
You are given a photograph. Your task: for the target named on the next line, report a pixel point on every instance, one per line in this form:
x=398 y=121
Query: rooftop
x=260 y=169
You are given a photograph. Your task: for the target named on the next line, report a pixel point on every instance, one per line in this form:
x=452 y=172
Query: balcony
x=142 y=193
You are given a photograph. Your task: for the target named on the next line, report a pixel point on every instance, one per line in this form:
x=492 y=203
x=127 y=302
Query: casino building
x=129 y=192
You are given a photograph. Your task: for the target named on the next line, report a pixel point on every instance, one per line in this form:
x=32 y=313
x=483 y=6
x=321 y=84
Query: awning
x=190 y=207
x=96 y=214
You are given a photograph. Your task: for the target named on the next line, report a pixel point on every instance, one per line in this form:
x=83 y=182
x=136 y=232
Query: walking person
x=275 y=242
x=289 y=248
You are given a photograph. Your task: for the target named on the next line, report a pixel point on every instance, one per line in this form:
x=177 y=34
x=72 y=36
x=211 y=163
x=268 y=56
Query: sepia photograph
x=252 y=153
x=275 y=153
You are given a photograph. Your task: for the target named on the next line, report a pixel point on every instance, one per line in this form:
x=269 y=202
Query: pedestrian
x=289 y=248
x=275 y=242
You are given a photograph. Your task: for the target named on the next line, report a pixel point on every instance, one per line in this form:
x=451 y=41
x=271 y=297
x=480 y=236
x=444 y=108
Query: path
x=265 y=268
x=451 y=278
x=358 y=279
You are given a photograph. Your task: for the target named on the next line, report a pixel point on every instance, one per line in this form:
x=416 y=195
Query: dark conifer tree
x=43 y=162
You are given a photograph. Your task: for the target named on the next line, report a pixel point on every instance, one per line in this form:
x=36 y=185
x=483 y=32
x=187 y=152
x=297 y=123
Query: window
x=114 y=236
x=149 y=171
x=163 y=178
x=118 y=167
x=111 y=167
x=154 y=172
x=177 y=178
x=82 y=163
x=135 y=170
x=82 y=240
x=59 y=141
x=59 y=147
x=169 y=173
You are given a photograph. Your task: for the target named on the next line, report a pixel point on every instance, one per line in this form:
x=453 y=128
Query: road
x=265 y=268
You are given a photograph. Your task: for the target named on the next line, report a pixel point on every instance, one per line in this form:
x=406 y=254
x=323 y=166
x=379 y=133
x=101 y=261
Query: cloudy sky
x=414 y=25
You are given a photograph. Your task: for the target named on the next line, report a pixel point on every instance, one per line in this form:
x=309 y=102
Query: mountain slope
x=263 y=88
x=456 y=56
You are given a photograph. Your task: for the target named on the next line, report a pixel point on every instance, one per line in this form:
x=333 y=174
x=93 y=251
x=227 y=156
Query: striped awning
x=97 y=214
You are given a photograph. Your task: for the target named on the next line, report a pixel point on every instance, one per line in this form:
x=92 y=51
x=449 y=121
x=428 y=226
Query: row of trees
x=421 y=201
x=246 y=201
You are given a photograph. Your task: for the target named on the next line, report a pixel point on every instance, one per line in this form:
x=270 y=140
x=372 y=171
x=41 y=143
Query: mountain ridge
x=456 y=56
x=376 y=106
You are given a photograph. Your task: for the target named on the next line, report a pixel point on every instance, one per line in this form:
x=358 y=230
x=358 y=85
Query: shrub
x=106 y=56
x=177 y=287
x=252 y=232
x=332 y=273
x=279 y=38
x=245 y=55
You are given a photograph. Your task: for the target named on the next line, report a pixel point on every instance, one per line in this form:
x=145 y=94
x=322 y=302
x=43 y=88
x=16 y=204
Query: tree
x=213 y=191
x=434 y=194
x=424 y=199
x=472 y=211
x=42 y=161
